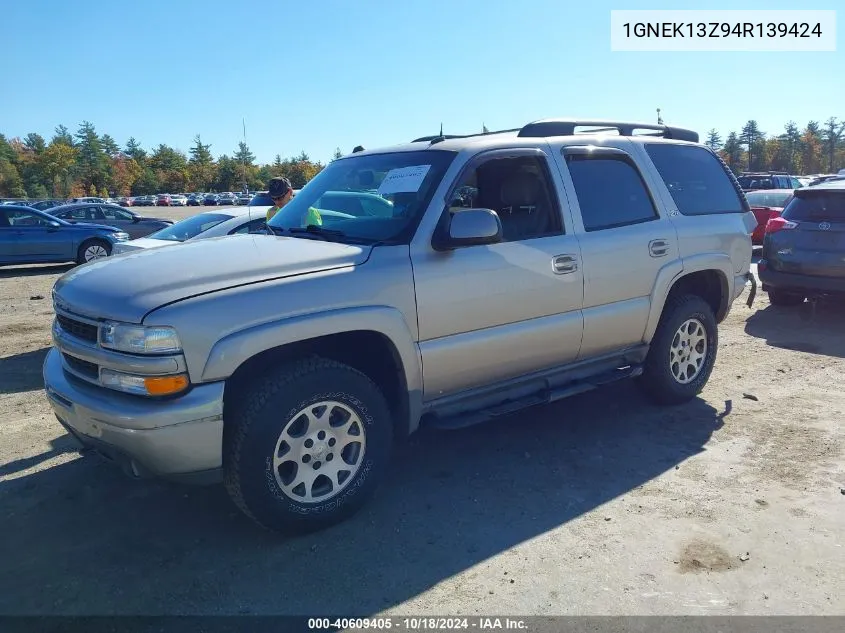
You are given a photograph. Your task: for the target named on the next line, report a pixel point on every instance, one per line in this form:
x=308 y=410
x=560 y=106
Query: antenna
x=441 y=129
x=659 y=120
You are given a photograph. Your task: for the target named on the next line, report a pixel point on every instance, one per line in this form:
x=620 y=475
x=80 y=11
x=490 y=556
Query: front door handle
x=658 y=248
x=563 y=264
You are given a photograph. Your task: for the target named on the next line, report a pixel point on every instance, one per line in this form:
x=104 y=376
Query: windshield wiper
x=315 y=229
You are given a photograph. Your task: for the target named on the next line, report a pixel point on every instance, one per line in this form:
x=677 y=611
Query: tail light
x=779 y=224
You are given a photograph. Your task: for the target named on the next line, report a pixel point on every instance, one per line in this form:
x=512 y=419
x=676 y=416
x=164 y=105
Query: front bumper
x=807 y=284
x=180 y=438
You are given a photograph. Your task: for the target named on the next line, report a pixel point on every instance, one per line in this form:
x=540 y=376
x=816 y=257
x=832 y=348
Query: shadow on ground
x=32 y=271
x=818 y=329
x=22 y=372
x=79 y=538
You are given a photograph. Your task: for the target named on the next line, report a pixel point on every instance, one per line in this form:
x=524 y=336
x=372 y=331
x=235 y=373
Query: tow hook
x=750 y=277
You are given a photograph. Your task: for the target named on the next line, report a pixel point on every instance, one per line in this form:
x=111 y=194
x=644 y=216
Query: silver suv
x=443 y=282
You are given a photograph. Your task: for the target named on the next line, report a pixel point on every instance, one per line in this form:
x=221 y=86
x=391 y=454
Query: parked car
x=766 y=204
x=163 y=200
x=803 y=248
x=29 y=236
x=210 y=199
x=195 y=200
x=244 y=198
x=227 y=197
x=87 y=199
x=287 y=365
x=44 y=205
x=179 y=201
x=262 y=199
x=143 y=201
x=749 y=180
x=125 y=201
x=113 y=215
x=201 y=226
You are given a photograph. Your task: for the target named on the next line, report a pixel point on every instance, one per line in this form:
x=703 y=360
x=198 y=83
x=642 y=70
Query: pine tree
x=714 y=140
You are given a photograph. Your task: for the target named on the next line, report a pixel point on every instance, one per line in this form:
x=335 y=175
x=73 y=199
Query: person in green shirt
x=280 y=192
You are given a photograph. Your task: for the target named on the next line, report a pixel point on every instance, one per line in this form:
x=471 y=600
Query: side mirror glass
x=470 y=227
x=53 y=224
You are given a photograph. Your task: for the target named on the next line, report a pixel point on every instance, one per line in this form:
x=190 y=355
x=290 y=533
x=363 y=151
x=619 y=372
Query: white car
x=178 y=201
x=213 y=223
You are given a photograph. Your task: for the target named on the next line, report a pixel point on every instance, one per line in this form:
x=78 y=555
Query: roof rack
x=437 y=138
x=566 y=127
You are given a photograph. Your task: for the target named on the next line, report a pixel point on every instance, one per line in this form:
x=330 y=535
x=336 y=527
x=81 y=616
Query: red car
x=163 y=200
x=766 y=204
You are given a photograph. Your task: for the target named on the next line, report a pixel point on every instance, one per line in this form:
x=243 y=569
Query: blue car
x=28 y=236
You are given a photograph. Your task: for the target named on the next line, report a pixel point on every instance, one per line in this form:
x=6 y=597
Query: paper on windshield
x=404 y=179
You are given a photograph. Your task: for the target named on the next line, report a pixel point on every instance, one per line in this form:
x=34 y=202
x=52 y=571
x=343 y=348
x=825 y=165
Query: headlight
x=143 y=385
x=120 y=236
x=138 y=339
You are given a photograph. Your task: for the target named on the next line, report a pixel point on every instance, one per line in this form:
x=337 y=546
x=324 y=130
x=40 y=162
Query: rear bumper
x=801 y=283
x=176 y=439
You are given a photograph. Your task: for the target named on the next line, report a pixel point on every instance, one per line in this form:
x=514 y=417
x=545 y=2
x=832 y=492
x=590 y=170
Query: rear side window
x=827 y=206
x=611 y=192
x=696 y=179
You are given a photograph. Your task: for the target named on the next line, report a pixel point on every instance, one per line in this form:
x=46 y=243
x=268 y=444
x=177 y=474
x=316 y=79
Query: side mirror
x=53 y=224
x=469 y=227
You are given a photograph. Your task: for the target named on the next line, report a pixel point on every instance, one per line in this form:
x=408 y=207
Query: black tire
x=784 y=298
x=80 y=253
x=657 y=380
x=261 y=415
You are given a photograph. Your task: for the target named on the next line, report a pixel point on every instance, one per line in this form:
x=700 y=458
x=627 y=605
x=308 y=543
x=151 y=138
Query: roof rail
x=436 y=138
x=566 y=127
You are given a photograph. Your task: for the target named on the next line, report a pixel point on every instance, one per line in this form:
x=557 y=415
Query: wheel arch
x=708 y=275
x=376 y=341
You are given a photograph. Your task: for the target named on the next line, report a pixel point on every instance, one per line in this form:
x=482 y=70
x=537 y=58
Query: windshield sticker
x=404 y=179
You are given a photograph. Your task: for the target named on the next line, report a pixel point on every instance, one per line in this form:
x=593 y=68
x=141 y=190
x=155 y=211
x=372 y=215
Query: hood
x=139 y=244
x=92 y=225
x=128 y=286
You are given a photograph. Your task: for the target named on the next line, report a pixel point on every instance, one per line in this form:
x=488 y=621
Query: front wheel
x=307 y=447
x=91 y=250
x=683 y=351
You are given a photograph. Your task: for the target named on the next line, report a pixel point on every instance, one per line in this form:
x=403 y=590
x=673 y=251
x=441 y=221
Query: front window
x=191 y=227
x=369 y=198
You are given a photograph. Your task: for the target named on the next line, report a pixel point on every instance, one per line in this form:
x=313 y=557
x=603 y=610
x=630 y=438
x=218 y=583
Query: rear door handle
x=658 y=248
x=563 y=264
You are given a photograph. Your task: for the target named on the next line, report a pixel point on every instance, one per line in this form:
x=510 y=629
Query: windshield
x=368 y=198
x=191 y=227
x=767 y=199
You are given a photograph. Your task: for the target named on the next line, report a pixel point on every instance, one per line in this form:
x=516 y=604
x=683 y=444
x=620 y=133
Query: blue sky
x=322 y=74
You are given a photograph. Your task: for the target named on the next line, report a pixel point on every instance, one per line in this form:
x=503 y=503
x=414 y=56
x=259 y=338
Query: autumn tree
x=35 y=143
x=57 y=163
x=170 y=167
x=109 y=146
x=811 y=152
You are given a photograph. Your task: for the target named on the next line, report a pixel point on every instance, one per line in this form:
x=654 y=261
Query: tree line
x=90 y=164
x=817 y=148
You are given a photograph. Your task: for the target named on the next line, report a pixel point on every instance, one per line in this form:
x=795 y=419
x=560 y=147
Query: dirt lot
x=601 y=504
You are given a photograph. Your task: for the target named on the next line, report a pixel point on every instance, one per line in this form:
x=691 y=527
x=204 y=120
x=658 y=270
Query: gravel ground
x=600 y=504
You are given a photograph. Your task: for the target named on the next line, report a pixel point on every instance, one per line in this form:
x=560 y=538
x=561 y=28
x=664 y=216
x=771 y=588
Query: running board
x=471 y=418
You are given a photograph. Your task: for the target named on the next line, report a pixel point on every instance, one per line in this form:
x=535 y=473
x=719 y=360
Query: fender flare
x=233 y=350
x=669 y=275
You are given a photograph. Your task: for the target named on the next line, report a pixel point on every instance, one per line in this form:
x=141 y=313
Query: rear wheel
x=306 y=448
x=91 y=250
x=682 y=352
x=785 y=298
